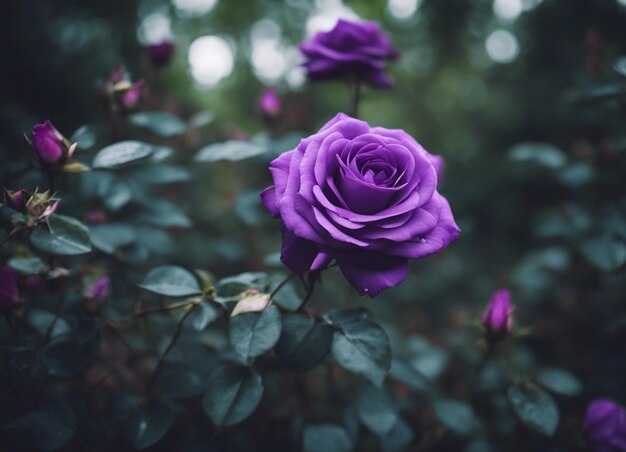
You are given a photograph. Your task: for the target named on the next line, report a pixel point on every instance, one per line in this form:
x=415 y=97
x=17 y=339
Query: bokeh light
x=403 y=9
x=508 y=9
x=154 y=28
x=326 y=15
x=193 y=8
x=211 y=59
x=502 y=46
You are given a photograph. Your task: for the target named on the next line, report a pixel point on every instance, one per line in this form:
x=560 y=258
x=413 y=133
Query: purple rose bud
x=605 y=426
x=130 y=99
x=9 y=292
x=99 y=290
x=96 y=217
x=49 y=210
x=269 y=103
x=497 y=318
x=161 y=54
x=16 y=200
x=49 y=144
x=357 y=49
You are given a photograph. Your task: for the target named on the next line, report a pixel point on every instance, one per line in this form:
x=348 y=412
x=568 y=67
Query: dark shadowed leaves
x=63 y=236
x=303 y=342
x=542 y=154
x=205 y=313
x=410 y=376
x=327 y=438
x=109 y=237
x=148 y=424
x=604 y=252
x=229 y=150
x=67 y=356
x=376 y=409
x=399 y=438
x=457 y=416
x=171 y=281
x=233 y=393
x=254 y=333
x=28 y=265
x=534 y=407
x=122 y=153
x=178 y=384
x=560 y=381
x=362 y=347
x=162 y=174
x=159 y=122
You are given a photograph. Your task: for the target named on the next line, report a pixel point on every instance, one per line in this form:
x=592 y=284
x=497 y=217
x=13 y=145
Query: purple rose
x=605 y=426
x=497 y=318
x=49 y=144
x=9 y=292
x=269 y=103
x=161 y=54
x=17 y=199
x=351 y=48
x=130 y=98
x=364 y=196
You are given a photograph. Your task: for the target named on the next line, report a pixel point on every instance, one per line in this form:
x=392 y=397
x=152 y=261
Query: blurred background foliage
x=476 y=78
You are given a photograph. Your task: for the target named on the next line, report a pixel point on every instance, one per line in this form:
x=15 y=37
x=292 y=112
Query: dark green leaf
x=121 y=153
x=149 y=424
x=534 y=407
x=399 y=438
x=376 y=409
x=409 y=376
x=288 y=298
x=85 y=136
x=326 y=438
x=109 y=237
x=63 y=236
x=363 y=348
x=604 y=252
x=171 y=281
x=205 y=313
x=253 y=334
x=233 y=393
x=178 y=384
x=160 y=212
x=229 y=150
x=303 y=342
x=201 y=119
x=345 y=316
x=28 y=265
x=457 y=416
x=543 y=154
x=67 y=356
x=560 y=381
x=48 y=427
x=159 y=122
x=162 y=174
x=113 y=190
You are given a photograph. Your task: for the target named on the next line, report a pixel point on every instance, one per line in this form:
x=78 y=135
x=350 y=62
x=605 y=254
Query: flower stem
x=356 y=100
x=281 y=285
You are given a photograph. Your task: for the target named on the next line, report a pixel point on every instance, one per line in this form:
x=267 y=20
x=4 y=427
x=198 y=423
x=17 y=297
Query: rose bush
x=364 y=196
x=350 y=48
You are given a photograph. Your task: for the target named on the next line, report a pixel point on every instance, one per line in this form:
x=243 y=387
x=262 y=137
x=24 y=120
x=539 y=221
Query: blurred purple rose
x=364 y=196
x=269 y=103
x=9 y=292
x=605 y=426
x=96 y=217
x=161 y=54
x=17 y=199
x=351 y=48
x=49 y=144
x=129 y=99
x=497 y=318
x=99 y=290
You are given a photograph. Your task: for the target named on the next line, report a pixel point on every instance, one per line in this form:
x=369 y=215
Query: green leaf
x=159 y=122
x=178 y=384
x=457 y=416
x=559 y=381
x=410 y=376
x=149 y=424
x=113 y=190
x=326 y=438
x=345 y=316
x=253 y=334
x=122 y=153
x=233 y=393
x=67 y=356
x=109 y=237
x=171 y=281
x=166 y=214
x=28 y=265
x=63 y=236
x=229 y=150
x=205 y=313
x=201 y=119
x=303 y=342
x=376 y=409
x=399 y=438
x=85 y=136
x=604 y=252
x=542 y=154
x=162 y=174
x=363 y=348
x=288 y=298
x=48 y=427
x=534 y=407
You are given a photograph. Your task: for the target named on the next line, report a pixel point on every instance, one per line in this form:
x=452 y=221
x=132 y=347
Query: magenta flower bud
x=130 y=99
x=9 y=292
x=96 y=217
x=605 y=426
x=49 y=144
x=99 y=290
x=497 y=318
x=270 y=104
x=49 y=210
x=16 y=200
x=161 y=54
